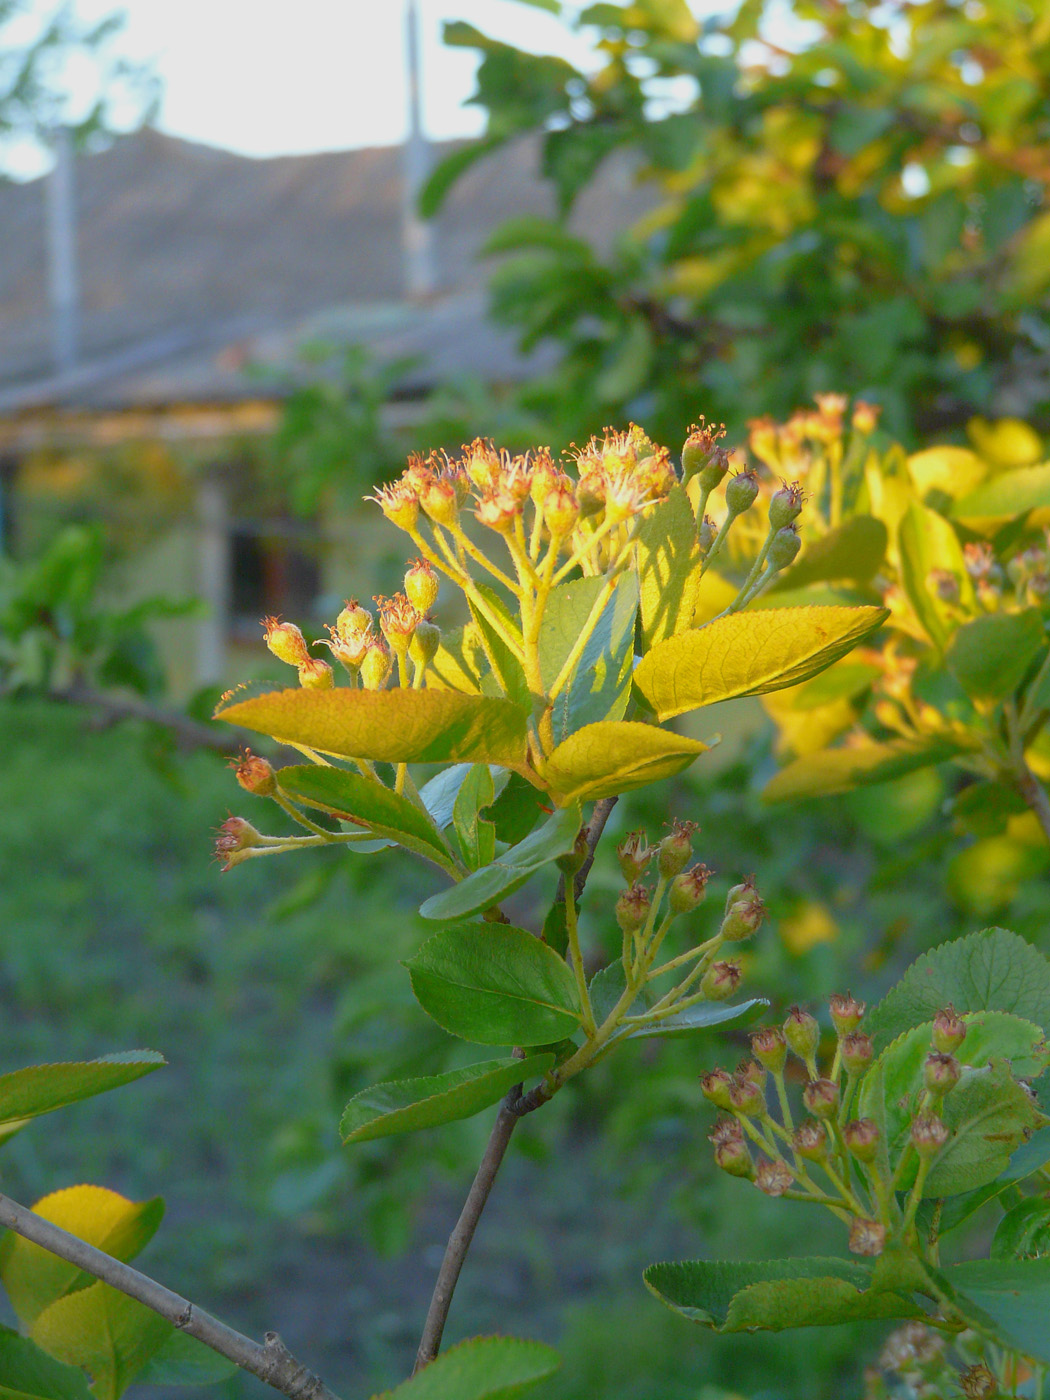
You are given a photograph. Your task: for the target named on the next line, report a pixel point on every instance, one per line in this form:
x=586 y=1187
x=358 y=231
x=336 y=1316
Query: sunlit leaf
x=1007 y=495
x=393 y=726
x=599 y=684
x=668 y=569
x=604 y=759
x=927 y=544
x=749 y=654
x=854 y=550
x=854 y=765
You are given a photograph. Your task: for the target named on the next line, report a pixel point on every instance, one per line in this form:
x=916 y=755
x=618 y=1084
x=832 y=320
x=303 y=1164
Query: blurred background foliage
x=845 y=196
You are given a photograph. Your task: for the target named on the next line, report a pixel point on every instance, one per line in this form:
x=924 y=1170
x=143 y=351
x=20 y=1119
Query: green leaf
x=702 y=1017
x=1007 y=495
x=989 y=1115
x=487 y=1368
x=600 y=683
x=392 y=726
x=406 y=1105
x=448 y=171
x=1024 y=1231
x=602 y=760
x=749 y=654
x=990 y=655
x=854 y=550
x=842 y=769
x=107 y=1333
x=1012 y=1299
x=27 y=1373
x=506 y=668
x=34 y=1278
x=477 y=838
x=182 y=1360
x=993 y=970
x=25 y=1093
x=927 y=542
x=365 y=803
x=1029 y=1157
x=486 y=887
x=668 y=569
x=495 y=984
x=733 y=1296
x=439 y=794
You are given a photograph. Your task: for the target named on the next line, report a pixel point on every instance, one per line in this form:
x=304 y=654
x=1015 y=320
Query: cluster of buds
x=288 y=644
x=792 y=446
x=235 y=840
x=829 y=1157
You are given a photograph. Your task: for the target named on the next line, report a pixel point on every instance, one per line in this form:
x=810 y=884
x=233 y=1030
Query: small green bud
x=751 y=1069
x=741 y=492
x=675 y=849
x=821 y=1097
x=861 y=1136
x=857 y=1052
x=715 y=1088
x=734 y=1158
x=811 y=1140
x=770 y=1048
x=714 y=472
x=720 y=981
x=688 y=889
x=634 y=854
x=785 y=547
x=801 y=1033
x=928 y=1134
x=744 y=918
x=570 y=863
x=424 y=644
x=741 y=891
x=632 y=908
x=421 y=586
x=706 y=533
x=846 y=1012
x=746 y=1097
x=949 y=1030
x=941 y=1073
x=785 y=505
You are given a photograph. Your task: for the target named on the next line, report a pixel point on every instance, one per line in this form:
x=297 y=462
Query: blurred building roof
x=196 y=266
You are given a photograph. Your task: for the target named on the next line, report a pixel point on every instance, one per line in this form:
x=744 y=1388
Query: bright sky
x=264 y=77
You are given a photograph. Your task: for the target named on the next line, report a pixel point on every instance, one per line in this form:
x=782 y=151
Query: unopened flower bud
x=714 y=472
x=857 y=1052
x=316 y=675
x=424 y=644
x=741 y=492
x=720 y=981
x=811 y=1140
x=439 y=499
x=744 y=918
x=821 y=1097
x=354 y=620
x=634 y=855
x=286 y=641
x=941 y=1073
x=701 y=452
x=569 y=863
x=688 y=889
x=421 y=586
x=375 y=666
x=867 y=1237
x=861 y=1136
x=706 y=533
x=774 y=1178
x=255 y=775
x=675 y=849
x=560 y=510
x=715 y=1087
x=734 y=1158
x=769 y=1048
x=742 y=891
x=746 y=1097
x=928 y=1134
x=751 y=1069
x=234 y=838
x=632 y=908
x=785 y=505
x=801 y=1033
x=785 y=547
x=846 y=1012
x=949 y=1030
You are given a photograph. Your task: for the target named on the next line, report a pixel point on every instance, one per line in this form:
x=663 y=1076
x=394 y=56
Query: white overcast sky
x=267 y=77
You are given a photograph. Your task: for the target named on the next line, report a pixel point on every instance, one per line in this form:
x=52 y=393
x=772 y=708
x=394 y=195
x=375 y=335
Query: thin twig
x=1035 y=796
x=463 y=1232
x=188 y=731
x=270 y=1362
x=595 y=827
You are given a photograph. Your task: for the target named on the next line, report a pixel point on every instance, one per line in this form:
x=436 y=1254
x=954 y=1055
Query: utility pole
x=63 y=290
x=416 y=233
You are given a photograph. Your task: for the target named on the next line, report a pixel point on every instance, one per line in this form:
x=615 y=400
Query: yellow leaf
x=1006 y=443
x=611 y=757
x=953 y=471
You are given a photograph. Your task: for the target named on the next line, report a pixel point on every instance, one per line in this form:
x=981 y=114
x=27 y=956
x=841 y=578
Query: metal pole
x=416 y=232
x=62 y=255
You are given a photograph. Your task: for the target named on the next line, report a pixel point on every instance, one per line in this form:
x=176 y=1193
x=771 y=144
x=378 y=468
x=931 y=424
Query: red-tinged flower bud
x=634 y=854
x=751 y=1069
x=928 y=1134
x=770 y=1048
x=861 y=1136
x=376 y=665
x=802 y=1033
x=726 y=1130
x=865 y=417
x=720 y=981
x=867 y=1237
x=481 y=462
x=497 y=510
x=286 y=641
x=941 y=1073
x=734 y=1158
x=978 y=1383
x=699 y=448
x=398 y=620
x=811 y=1140
x=675 y=849
x=774 y=1178
x=254 y=774
x=857 y=1052
x=715 y=1088
x=821 y=1097
x=561 y=509
x=785 y=505
x=785 y=547
x=354 y=620
x=949 y=1030
x=741 y=492
x=846 y=1012
x=571 y=862
x=706 y=533
x=744 y=918
x=632 y=908
x=424 y=644
x=234 y=838
x=316 y=675
x=746 y=1097
x=439 y=499
x=688 y=889
x=421 y=586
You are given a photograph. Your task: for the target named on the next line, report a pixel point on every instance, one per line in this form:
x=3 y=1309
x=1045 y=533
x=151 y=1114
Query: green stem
x=576 y=955
x=469 y=547
x=717 y=543
x=297 y=816
x=755 y=570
